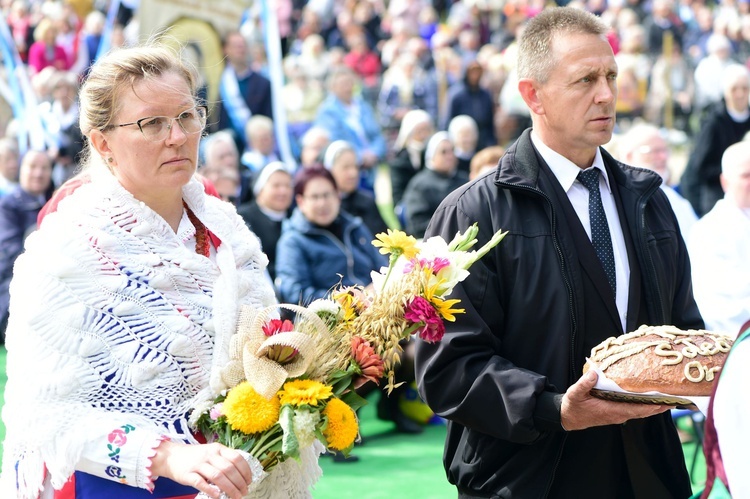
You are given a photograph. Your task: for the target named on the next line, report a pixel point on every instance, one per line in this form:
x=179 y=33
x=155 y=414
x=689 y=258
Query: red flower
x=369 y=363
x=421 y=311
x=275 y=326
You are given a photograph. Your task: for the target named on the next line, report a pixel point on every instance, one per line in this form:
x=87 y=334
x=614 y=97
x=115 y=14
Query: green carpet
x=390 y=465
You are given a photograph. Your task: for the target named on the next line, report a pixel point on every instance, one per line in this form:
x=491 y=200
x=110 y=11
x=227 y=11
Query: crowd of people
x=392 y=108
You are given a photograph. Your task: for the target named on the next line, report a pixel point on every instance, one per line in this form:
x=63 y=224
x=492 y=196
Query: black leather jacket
x=500 y=370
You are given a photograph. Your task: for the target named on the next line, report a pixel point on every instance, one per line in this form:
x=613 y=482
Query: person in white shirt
x=644 y=146
x=719 y=245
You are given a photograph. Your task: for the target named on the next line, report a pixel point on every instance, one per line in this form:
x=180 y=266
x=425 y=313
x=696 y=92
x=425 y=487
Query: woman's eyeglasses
x=156 y=128
x=326 y=196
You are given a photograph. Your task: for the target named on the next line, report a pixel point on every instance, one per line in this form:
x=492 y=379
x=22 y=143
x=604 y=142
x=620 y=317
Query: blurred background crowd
x=332 y=120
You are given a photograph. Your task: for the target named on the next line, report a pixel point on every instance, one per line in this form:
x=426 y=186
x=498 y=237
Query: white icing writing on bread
x=697 y=372
x=613 y=349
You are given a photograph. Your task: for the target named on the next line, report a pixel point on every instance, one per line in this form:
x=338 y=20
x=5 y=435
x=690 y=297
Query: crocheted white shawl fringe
x=107 y=306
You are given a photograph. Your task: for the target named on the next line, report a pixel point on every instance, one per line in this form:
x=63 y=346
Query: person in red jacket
x=363 y=61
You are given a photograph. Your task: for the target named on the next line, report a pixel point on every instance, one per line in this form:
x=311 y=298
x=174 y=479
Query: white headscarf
x=334 y=150
x=408 y=124
x=265 y=174
x=432 y=146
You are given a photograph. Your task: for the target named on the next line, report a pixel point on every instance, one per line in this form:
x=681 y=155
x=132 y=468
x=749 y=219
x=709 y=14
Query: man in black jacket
x=507 y=374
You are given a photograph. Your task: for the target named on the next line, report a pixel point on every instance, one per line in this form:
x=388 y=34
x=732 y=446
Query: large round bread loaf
x=663 y=359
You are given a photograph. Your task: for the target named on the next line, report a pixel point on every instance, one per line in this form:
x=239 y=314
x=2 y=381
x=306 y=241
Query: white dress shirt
x=566 y=173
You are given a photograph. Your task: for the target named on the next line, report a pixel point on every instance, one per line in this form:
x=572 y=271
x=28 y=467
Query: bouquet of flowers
x=293 y=383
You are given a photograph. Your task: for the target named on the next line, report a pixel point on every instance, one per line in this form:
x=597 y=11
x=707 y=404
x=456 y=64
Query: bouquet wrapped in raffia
x=292 y=383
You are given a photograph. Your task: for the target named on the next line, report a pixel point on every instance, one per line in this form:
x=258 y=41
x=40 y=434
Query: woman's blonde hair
x=100 y=95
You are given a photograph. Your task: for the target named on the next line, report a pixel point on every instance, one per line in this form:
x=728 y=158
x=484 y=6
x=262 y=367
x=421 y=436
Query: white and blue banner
x=272 y=42
x=106 y=40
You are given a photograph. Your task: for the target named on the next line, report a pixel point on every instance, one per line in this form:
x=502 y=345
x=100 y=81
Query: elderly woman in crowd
x=122 y=301
x=416 y=129
x=273 y=198
x=321 y=245
x=341 y=160
x=433 y=184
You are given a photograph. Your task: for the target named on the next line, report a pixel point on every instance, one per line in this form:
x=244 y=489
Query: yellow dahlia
x=342 y=426
x=248 y=411
x=304 y=392
x=396 y=243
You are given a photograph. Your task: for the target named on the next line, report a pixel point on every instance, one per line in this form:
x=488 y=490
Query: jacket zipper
x=348 y=254
x=650 y=268
x=573 y=322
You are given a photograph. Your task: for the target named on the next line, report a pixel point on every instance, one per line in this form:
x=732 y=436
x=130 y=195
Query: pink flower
x=216 y=411
x=275 y=326
x=421 y=311
x=436 y=265
x=117 y=437
x=439 y=264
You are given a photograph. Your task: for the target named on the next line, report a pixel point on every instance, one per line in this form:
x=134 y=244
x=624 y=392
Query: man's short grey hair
x=258 y=123
x=216 y=138
x=535 y=58
x=732 y=74
x=636 y=136
x=717 y=42
x=313 y=134
x=736 y=156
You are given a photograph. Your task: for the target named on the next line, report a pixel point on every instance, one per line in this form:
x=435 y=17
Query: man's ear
x=100 y=143
x=724 y=182
x=528 y=89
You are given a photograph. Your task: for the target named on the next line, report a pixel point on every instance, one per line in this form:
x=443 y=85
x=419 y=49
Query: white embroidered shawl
x=107 y=306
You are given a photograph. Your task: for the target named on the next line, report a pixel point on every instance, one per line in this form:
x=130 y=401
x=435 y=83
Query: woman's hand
x=210 y=468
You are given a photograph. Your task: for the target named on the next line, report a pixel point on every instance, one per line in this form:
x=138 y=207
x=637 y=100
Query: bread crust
x=663 y=359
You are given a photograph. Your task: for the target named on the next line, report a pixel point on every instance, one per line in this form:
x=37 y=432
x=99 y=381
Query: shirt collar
x=565 y=170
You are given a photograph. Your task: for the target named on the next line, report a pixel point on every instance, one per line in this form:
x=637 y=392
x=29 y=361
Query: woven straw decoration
x=249 y=346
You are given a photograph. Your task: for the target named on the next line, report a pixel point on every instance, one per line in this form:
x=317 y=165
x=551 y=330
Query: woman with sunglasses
x=123 y=300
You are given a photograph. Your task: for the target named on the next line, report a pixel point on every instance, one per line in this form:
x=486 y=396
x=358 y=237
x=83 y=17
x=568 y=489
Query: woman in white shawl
x=124 y=302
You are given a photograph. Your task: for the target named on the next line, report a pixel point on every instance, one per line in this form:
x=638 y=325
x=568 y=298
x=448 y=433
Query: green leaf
x=289 y=443
x=342 y=384
x=476 y=255
x=353 y=400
